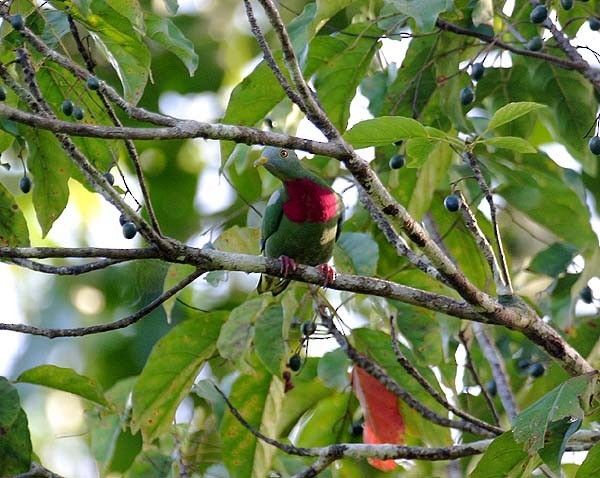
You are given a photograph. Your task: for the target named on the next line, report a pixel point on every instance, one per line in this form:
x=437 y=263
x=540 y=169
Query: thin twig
x=66 y=270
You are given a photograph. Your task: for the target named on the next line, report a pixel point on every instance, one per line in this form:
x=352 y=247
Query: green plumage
x=302 y=219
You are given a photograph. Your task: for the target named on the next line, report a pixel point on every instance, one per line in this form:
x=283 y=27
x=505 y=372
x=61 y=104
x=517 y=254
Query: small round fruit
x=452 y=203
x=356 y=429
x=93 y=83
x=594 y=145
x=523 y=363
x=295 y=362
x=129 y=230
x=477 y=71
x=594 y=23
x=25 y=184
x=535 y=44
x=67 y=107
x=467 y=95
x=123 y=219
x=78 y=113
x=537 y=370
x=110 y=179
x=17 y=21
x=491 y=388
x=308 y=328
x=586 y=295
x=397 y=161
x=538 y=14
x=2 y=93
x=566 y=4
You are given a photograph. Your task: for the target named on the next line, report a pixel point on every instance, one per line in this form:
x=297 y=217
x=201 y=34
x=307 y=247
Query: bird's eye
x=283 y=153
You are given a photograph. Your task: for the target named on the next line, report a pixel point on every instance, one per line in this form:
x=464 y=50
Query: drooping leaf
x=553 y=260
x=165 y=32
x=555 y=441
x=505 y=457
x=170 y=371
x=9 y=403
x=565 y=401
x=333 y=369
x=268 y=338
x=323 y=424
x=348 y=260
x=513 y=111
x=519 y=145
x=15 y=446
x=424 y=12
x=590 y=468
x=242 y=240
x=383 y=131
x=13 y=227
x=150 y=464
x=67 y=380
x=258 y=399
x=51 y=170
x=383 y=421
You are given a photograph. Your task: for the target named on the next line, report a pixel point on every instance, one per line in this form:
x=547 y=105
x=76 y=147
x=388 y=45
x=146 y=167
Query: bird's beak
x=260 y=161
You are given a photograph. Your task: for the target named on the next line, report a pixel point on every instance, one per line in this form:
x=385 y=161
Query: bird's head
x=281 y=163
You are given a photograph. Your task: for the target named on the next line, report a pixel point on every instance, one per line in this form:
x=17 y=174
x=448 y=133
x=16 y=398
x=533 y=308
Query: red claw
x=287 y=265
x=328 y=274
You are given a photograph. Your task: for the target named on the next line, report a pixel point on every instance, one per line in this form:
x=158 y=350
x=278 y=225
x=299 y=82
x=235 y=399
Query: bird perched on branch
x=302 y=220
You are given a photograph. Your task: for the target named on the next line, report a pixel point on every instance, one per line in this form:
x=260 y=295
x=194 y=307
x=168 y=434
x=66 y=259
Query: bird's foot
x=328 y=274
x=287 y=265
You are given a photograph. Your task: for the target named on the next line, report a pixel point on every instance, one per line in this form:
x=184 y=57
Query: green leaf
x=341 y=62
x=346 y=258
x=505 y=458
x=51 y=170
x=170 y=371
x=424 y=12
x=67 y=380
x=383 y=131
x=258 y=398
x=512 y=111
x=268 y=339
x=15 y=446
x=237 y=333
x=519 y=145
x=13 y=227
x=564 y=401
x=590 y=468
x=333 y=369
x=242 y=240
x=418 y=151
x=9 y=403
x=165 y=32
x=150 y=464
x=555 y=441
x=554 y=260
x=172 y=6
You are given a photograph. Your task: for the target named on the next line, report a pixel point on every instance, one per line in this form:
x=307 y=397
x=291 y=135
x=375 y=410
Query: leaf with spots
x=13 y=227
x=51 y=170
x=170 y=372
x=258 y=398
x=67 y=380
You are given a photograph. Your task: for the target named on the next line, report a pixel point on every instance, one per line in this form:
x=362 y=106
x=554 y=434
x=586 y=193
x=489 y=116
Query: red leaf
x=383 y=422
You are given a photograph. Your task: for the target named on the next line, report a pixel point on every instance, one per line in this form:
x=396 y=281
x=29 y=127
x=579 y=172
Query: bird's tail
x=275 y=285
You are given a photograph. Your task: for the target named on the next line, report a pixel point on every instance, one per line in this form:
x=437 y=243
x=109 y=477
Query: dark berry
x=356 y=429
x=467 y=95
x=129 y=230
x=535 y=44
x=594 y=23
x=93 y=83
x=537 y=370
x=491 y=388
x=308 y=328
x=295 y=362
x=566 y=4
x=397 y=161
x=78 y=113
x=109 y=177
x=25 y=184
x=539 y=14
x=586 y=295
x=2 y=93
x=477 y=71
x=17 y=21
x=123 y=219
x=452 y=203
x=67 y=107
x=523 y=363
x=594 y=145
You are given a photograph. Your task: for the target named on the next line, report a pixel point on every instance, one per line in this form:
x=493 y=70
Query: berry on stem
x=537 y=370
x=535 y=44
x=295 y=362
x=566 y=4
x=539 y=14
x=17 y=21
x=109 y=177
x=93 y=83
x=452 y=203
x=67 y=107
x=477 y=71
x=594 y=145
x=25 y=184
x=129 y=230
x=586 y=295
x=397 y=161
x=594 y=23
x=2 y=93
x=467 y=95
x=78 y=113
x=308 y=328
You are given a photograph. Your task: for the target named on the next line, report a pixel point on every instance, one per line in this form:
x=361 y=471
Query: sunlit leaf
x=13 y=227
x=9 y=403
x=383 y=131
x=268 y=339
x=347 y=259
x=519 y=145
x=511 y=112
x=15 y=446
x=590 y=468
